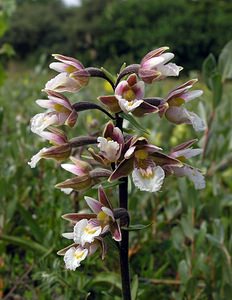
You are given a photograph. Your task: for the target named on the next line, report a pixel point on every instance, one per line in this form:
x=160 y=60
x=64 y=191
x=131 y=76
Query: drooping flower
x=74 y=254
x=85 y=175
x=72 y=77
x=155 y=66
x=146 y=163
x=183 y=152
x=110 y=145
x=89 y=226
x=173 y=109
x=60 y=111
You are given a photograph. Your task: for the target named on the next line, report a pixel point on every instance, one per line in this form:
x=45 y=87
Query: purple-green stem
x=124 y=244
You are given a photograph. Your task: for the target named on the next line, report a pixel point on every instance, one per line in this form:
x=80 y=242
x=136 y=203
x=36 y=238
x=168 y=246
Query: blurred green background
x=186 y=252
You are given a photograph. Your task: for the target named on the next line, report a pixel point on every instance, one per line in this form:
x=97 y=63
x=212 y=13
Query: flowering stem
x=124 y=245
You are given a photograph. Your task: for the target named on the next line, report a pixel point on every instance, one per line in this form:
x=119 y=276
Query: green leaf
x=108 y=277
x=225 y=62
x=106 y=184
x=183 y=271
x=209 y=67
x=217 y=88
x=133 y=122
x=134 y=287
x=24 y=243
x=136 y=227
x=122 y=67
x=35 y=230
x=108 y=74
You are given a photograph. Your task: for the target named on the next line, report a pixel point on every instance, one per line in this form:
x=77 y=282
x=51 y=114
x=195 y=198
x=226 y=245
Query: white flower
x=193 y=174
x=36 y=158
x=41 y=121
x=63 y=83
x=109 y=148
x=74 y=256
x=128 y=106
x=149 y=180
x=85 y=232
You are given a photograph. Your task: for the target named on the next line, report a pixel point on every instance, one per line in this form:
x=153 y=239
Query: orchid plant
x=115 y=154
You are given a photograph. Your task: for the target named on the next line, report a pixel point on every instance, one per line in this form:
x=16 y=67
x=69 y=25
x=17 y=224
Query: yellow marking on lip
x=176 y=102
x=78 y=255
x=129 y=95
x=141 y=154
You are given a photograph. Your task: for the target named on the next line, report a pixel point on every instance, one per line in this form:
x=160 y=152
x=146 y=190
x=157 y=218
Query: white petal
x=78 y=230
x=167 y=56
x=36 y=158
x=74 y=256
x=68 y=235
x=149 y=184
x=41 y=121
x=187 y=153
x=67 y=191
x=152 y=62
x=58 y=66
x=128 y=106
x=193 y=174
x=89 y=233
x=63 y=83
x=169 y=69
x=129 y=152
x=192 y=95
x=109 y=149
x=197 y=122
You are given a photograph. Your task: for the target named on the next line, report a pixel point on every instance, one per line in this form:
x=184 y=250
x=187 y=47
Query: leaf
x=108 y=74
x=209 y=67
x=183 y=271
x=136 y=227
x=217 y=88
x=134 y=287
x=133 y=122
x=24 y=243
x=108 y=277
x=33 y=225
x=225 y=62
x=106 y=184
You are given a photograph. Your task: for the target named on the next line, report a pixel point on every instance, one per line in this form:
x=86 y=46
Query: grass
x=184 y=254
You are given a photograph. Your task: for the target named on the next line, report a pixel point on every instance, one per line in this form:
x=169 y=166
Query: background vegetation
x=185 y=253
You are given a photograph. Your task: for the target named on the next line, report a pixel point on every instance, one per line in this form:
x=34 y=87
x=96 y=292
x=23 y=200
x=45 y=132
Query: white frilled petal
x=169 y=69
x=180 y=115
x=109 y=149
x=41 y=121
x=152 y=183
x=74 y=256
x=128 y=106
x=193 y=174
x=36 y=158
x=85 y=232
x=63 y=83
x=197 y=122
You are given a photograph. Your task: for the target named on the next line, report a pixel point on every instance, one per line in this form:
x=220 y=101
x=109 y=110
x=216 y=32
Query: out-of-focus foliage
x=6 y=10
x=185 y=253
x=116 y=30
